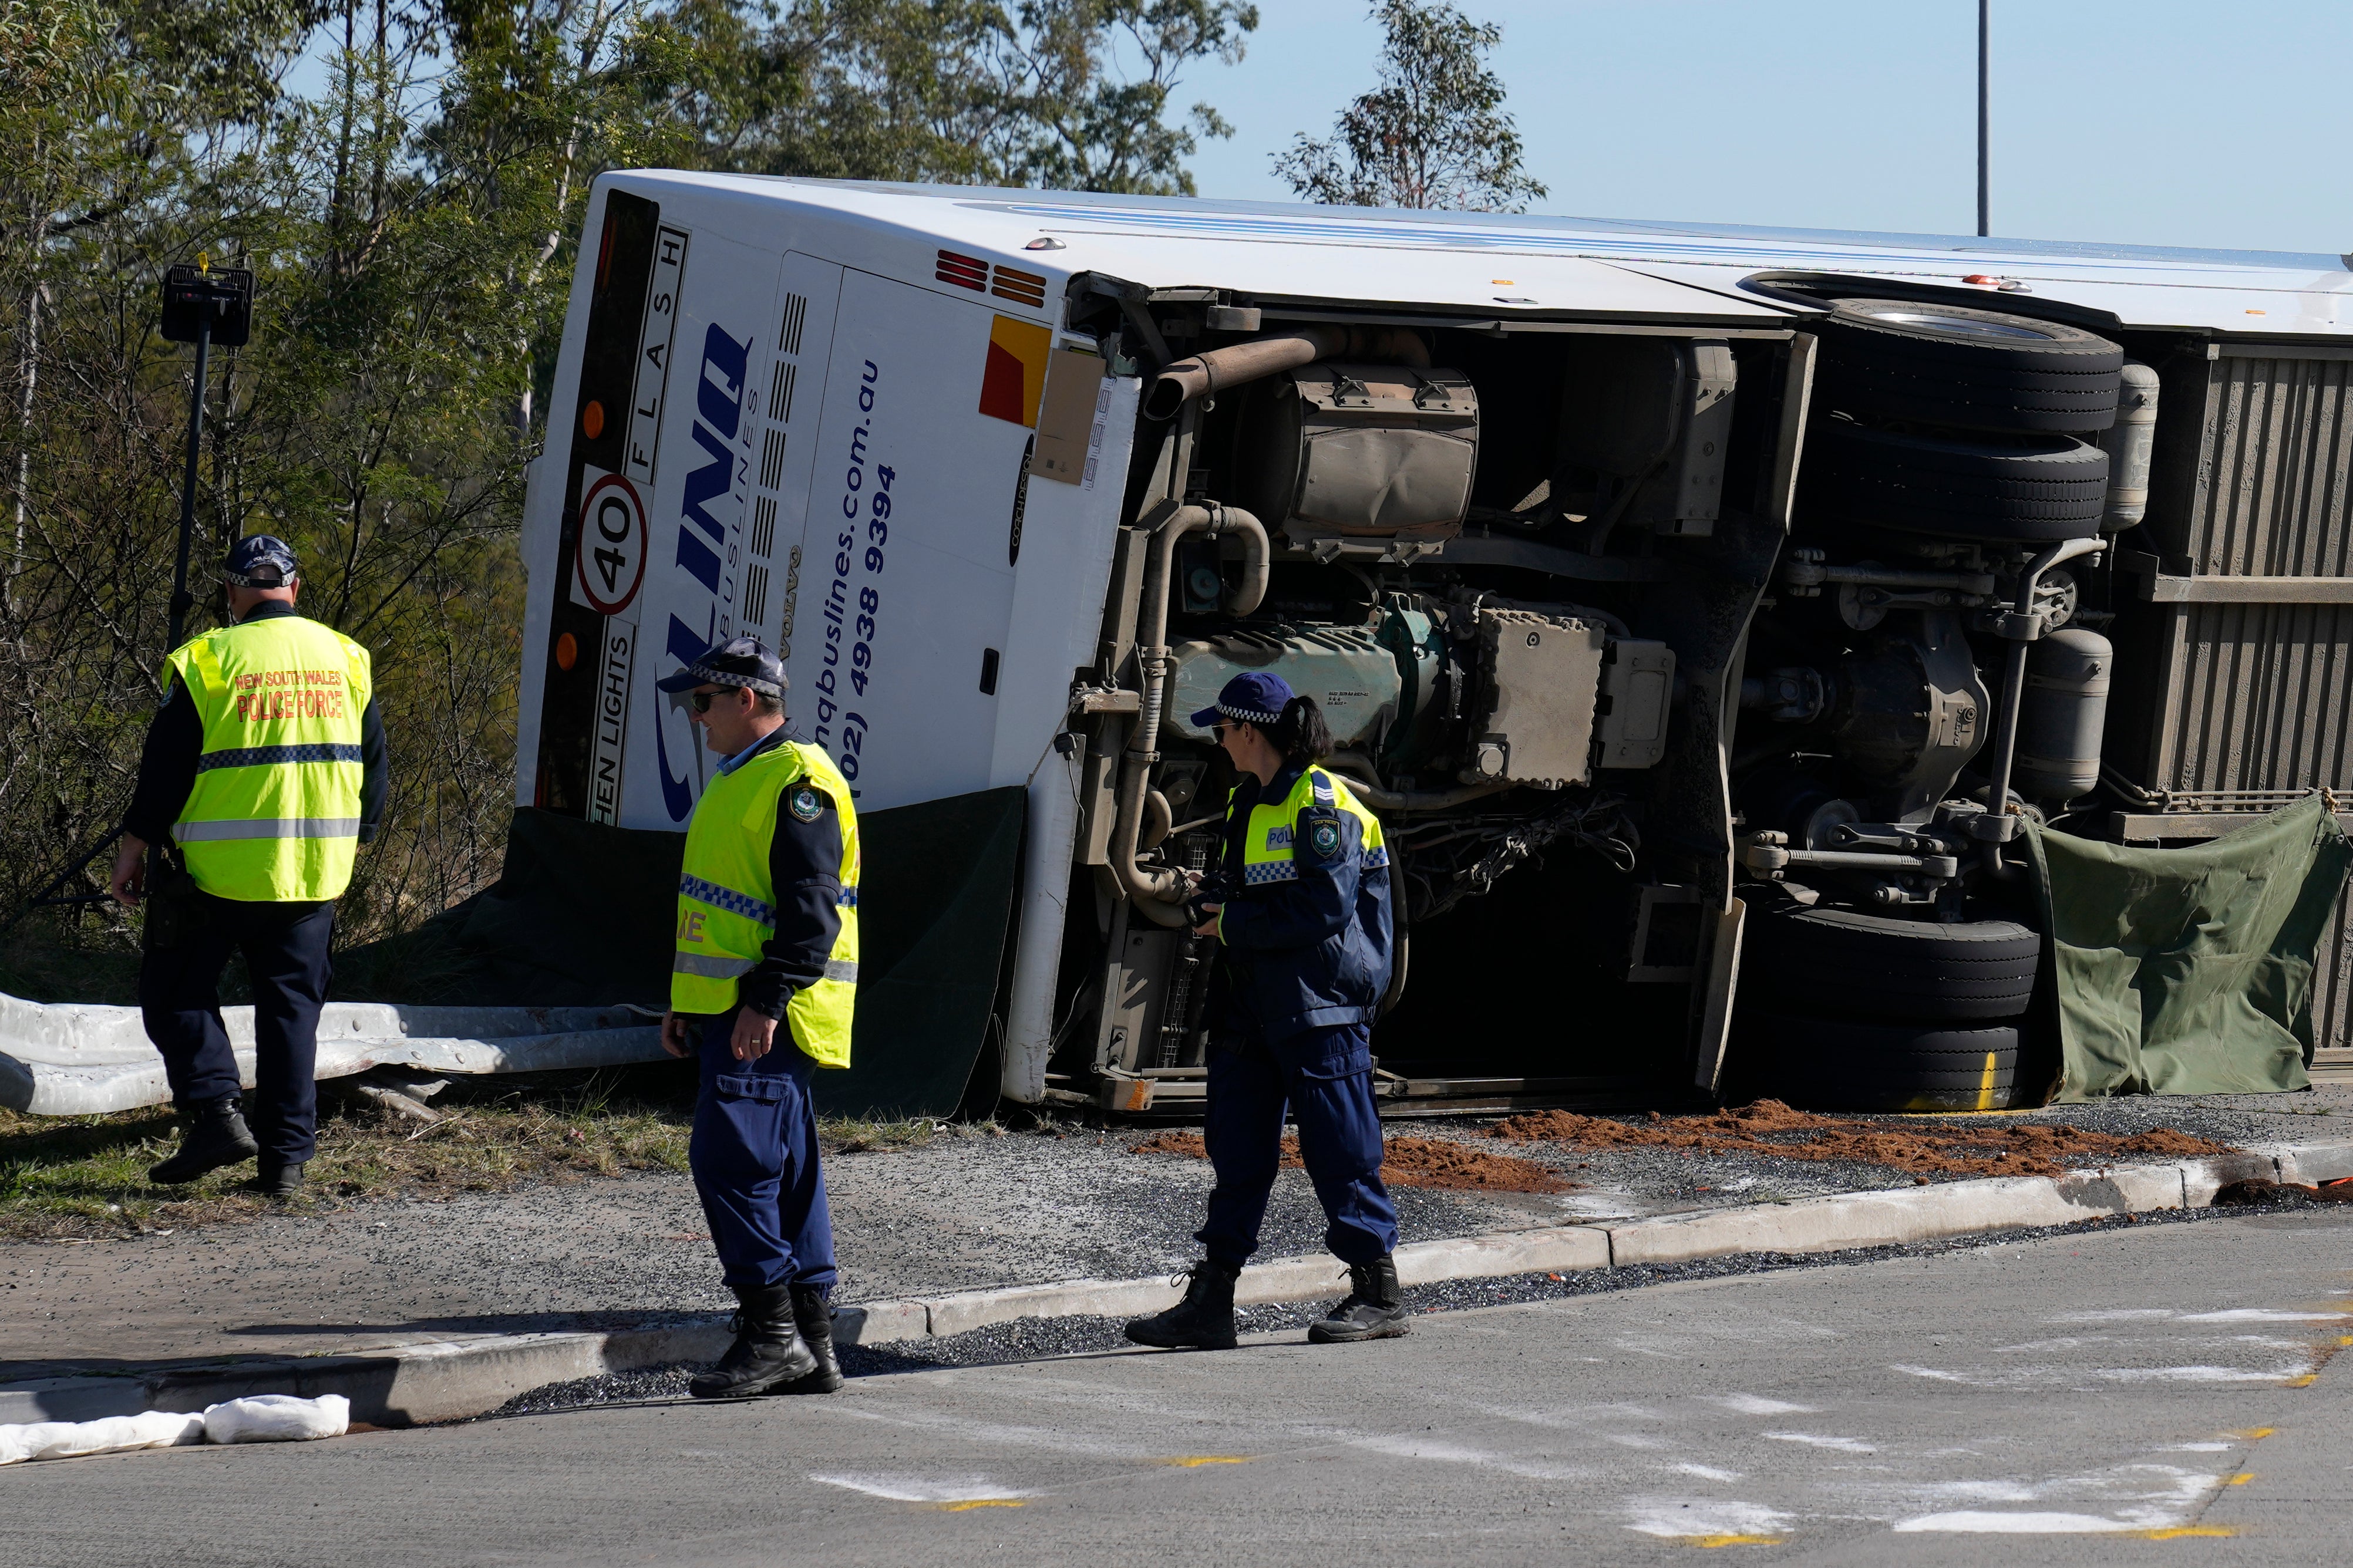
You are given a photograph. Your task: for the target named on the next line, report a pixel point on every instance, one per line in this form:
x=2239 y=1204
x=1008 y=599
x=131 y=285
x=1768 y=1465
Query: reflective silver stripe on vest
x=267 y=827
x=711 y=967
x=715 y=968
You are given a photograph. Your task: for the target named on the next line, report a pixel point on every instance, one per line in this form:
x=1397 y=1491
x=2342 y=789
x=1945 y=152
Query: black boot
x=213 y=1135
x=1203 y=1320
x=767 y=1351
x=276 y=1181
x=814 y=1315
x=1375 y=1309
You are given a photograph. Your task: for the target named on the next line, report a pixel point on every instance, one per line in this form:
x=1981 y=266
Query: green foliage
x=1433 y=134
x=410 y=223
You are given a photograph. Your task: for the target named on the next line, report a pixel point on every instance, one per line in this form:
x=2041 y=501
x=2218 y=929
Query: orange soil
x=1409 y=1163
x=1771 y=1127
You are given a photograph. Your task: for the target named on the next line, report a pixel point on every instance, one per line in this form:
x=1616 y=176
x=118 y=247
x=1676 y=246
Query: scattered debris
x=1771 y=1127
x=1409 y=1163
x=2257 y=1190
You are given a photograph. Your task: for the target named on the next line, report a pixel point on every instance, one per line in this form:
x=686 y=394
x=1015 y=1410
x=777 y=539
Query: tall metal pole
x=1985 y=118
x=181 y=601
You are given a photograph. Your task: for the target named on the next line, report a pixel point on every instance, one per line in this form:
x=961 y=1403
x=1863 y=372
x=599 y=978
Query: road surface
x=2149 y=1392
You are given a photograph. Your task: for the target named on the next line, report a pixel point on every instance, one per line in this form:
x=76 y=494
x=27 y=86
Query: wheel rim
x=1962 y=324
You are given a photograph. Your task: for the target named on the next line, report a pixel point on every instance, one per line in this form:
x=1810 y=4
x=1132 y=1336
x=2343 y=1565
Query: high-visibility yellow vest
x=275 y=813
x=1267 y=844
x=727 y=898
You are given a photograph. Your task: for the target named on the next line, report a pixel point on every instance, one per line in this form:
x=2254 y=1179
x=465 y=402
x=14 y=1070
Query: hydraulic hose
x=1241 y=364
x=1159 y=892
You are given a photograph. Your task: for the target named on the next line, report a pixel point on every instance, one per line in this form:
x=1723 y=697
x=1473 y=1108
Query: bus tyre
x=1850 y=964
x=1969 y=370
x=1849 y=1064
x=2025 y=489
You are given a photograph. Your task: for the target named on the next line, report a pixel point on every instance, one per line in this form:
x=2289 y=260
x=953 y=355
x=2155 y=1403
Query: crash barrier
x=261 y=1418
x=81 y=1060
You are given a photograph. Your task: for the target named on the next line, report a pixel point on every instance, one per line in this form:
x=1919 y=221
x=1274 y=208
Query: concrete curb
x=452 y=1378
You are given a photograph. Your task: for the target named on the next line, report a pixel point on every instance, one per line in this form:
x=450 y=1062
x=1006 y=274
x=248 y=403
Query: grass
x=85 y=1177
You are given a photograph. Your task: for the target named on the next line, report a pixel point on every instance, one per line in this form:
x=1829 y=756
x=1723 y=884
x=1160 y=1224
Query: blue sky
x=2191 y=122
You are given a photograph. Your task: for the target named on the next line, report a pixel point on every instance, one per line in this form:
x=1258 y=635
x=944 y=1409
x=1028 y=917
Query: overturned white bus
x=1673 y=593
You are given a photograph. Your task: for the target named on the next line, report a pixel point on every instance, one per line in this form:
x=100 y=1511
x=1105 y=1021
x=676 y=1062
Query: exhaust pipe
x=1241 y=363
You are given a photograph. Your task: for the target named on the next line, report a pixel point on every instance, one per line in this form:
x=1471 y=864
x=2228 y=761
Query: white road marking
x=1707 y=1472
x=1813 y=1440
x=1703 y=1516
x=1756 y=1404
x=919 y=1489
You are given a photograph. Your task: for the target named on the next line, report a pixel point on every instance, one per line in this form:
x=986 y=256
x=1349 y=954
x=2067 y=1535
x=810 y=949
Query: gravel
x=1062 y=1200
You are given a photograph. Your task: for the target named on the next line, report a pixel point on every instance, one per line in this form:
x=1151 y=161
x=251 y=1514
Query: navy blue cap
x=738 y=661
x=1255 y=697
x=264 y=561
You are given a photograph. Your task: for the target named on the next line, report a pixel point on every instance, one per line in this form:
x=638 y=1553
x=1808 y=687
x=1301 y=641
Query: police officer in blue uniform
x=1300 y=908
x=762 y=987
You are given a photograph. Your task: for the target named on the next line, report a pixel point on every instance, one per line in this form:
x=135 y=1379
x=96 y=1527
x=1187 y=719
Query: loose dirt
x=1771 y=1127
x=1409 y=1163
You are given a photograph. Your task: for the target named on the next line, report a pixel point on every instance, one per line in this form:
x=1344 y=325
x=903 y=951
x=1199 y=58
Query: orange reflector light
x=592 y=420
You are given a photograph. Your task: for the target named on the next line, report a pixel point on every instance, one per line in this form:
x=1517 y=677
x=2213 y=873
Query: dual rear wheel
x=1846 y=1011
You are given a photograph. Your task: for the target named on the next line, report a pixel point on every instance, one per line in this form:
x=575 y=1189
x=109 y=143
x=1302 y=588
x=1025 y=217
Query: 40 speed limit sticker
x=611 y=563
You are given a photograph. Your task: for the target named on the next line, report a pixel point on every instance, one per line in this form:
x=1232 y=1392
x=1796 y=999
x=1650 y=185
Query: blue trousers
x=285 y=959
x=755 y=1158
x=1325 y=1076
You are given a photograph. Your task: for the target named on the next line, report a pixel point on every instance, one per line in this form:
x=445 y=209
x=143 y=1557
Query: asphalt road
x=2148 y=1391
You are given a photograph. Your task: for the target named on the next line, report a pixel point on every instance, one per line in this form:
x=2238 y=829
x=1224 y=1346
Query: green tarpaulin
x=2188 y=971
x=582 y=914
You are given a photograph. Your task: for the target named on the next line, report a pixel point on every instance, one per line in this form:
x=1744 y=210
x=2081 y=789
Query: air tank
x=2061 y=715
x=2130 y=443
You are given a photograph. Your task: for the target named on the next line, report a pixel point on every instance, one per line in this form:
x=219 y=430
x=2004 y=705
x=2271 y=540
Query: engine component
x=1795 y=804
x=1652 y=417
x=2030 y=489
x=2062 y=714
x=1542 y=681
x=1966 y=370
x=2131 y=446
x=1638 y=684
x=1358 y=460
x=1346 y=669
x=1238 y=364
x=1910 y=711
x=1793 y=695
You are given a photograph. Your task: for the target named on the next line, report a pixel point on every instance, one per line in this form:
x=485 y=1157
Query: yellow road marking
x=1195 y=1461
x=2253 y=1434
x=2307 y=1381
x=967 y=1504
x=1729 y=1539
x=2177 y=1531
x=2242 y=1479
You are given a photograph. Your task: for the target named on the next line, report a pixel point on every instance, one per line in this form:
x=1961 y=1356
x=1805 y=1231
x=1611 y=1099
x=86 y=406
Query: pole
x=1985 y=118
x=181 y=601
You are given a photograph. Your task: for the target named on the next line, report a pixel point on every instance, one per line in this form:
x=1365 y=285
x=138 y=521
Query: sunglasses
x=700 y=700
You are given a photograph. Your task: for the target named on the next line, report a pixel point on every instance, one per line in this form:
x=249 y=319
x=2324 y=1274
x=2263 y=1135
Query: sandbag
x=111 y=1435
x=276 y=1418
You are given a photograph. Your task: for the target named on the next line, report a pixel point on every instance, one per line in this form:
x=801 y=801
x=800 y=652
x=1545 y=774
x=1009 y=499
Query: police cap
x=1255 y=697
x=738 y=661
x=264 y=561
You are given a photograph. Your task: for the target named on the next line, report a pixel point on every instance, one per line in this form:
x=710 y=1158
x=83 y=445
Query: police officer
x=762 y=990
x=1300 y=907
x=262 y=773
